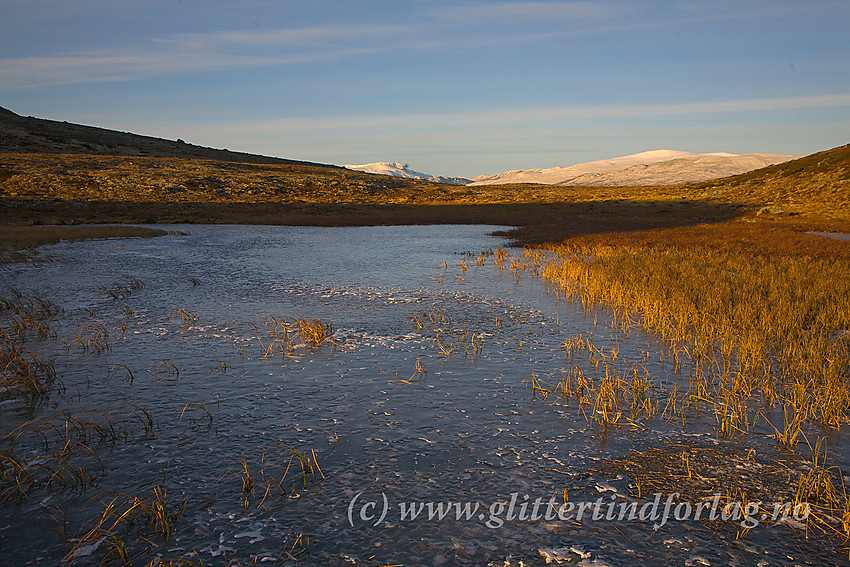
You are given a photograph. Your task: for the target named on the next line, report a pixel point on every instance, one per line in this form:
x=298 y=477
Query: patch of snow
x=656 y=167
x=398 y=170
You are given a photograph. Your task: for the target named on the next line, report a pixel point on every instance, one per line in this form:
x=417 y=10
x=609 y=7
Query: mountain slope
x=645 y=168
x=818 y=182
x=398 y=170
x=682 y=170
x=555 y=175
x=19 y=134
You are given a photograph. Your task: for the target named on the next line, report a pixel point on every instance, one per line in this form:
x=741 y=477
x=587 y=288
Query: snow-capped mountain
x=657 y=167
x=399 y=170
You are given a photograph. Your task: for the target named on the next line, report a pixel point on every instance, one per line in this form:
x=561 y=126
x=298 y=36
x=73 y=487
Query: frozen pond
x=423 y=395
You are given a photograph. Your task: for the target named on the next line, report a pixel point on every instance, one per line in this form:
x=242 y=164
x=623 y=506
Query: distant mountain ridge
x=398 y=170
x=656 y=167
x=20 y=134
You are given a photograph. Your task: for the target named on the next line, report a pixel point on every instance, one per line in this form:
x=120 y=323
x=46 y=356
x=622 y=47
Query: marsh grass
x=25 y=376
x=617 y=397
x=185 y=318
x=699 y=472
x=164 y=370
x=282 y=336
x=757 y=337
x=755 y=331
x=28 y=314
x=265 y=480
x=308 y=463
x=125 y=515
x=194 y=422
x=123 y=287
x=448 y=336
x=92 y=337
x=314 y=332
x=191 y=559
x=125 y=371
x=68 y=444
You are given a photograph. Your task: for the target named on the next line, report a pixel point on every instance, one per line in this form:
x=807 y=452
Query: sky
x=456 y=88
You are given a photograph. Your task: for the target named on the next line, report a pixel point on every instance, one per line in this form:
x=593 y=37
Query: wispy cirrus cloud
x=206 y=51
x=513 y=12
x=327 y=35
x=436 y=29
x=524 y=117
x=449 y=27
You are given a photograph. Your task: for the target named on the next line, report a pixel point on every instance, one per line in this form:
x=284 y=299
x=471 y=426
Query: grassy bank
x=762 y=342
x=17 y=242
x=808 y=194
x=18 y=237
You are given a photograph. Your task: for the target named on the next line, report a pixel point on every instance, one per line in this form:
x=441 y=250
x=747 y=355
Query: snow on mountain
x=682 y=170
x=399 y=170
x=656 y=167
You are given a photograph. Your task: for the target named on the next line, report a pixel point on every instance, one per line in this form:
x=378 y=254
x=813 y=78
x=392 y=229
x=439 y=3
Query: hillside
x=816 y=183
x=19 y=134
x=89 y=178
x=656 y=167
x=46 y=159
x=693 y=169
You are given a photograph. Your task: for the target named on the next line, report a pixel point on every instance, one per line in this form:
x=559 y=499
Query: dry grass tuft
x=123 y=514
x=314 y=332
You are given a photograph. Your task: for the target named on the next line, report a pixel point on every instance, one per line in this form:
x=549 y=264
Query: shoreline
x=643 y=224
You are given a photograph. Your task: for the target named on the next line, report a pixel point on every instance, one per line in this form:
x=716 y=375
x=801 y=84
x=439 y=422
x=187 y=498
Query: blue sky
x=450 y=87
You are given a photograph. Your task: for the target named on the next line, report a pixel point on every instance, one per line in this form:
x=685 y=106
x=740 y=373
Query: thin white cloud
x=212 y=51
x=96 y=67
x=524 y=117
x=513 y=12
x=304 y=37
x=444 y=29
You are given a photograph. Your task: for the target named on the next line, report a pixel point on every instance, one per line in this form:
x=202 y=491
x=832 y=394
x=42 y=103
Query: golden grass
x=185 y=317
x=449 y=337
x=755 y=330
x=123 y=513
x=68 y=458
x=757 y=334
x=282 y=335
x=263 y=481
x=25 y=376
x=314 y=332
x=698 y=473
x=164 y=370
